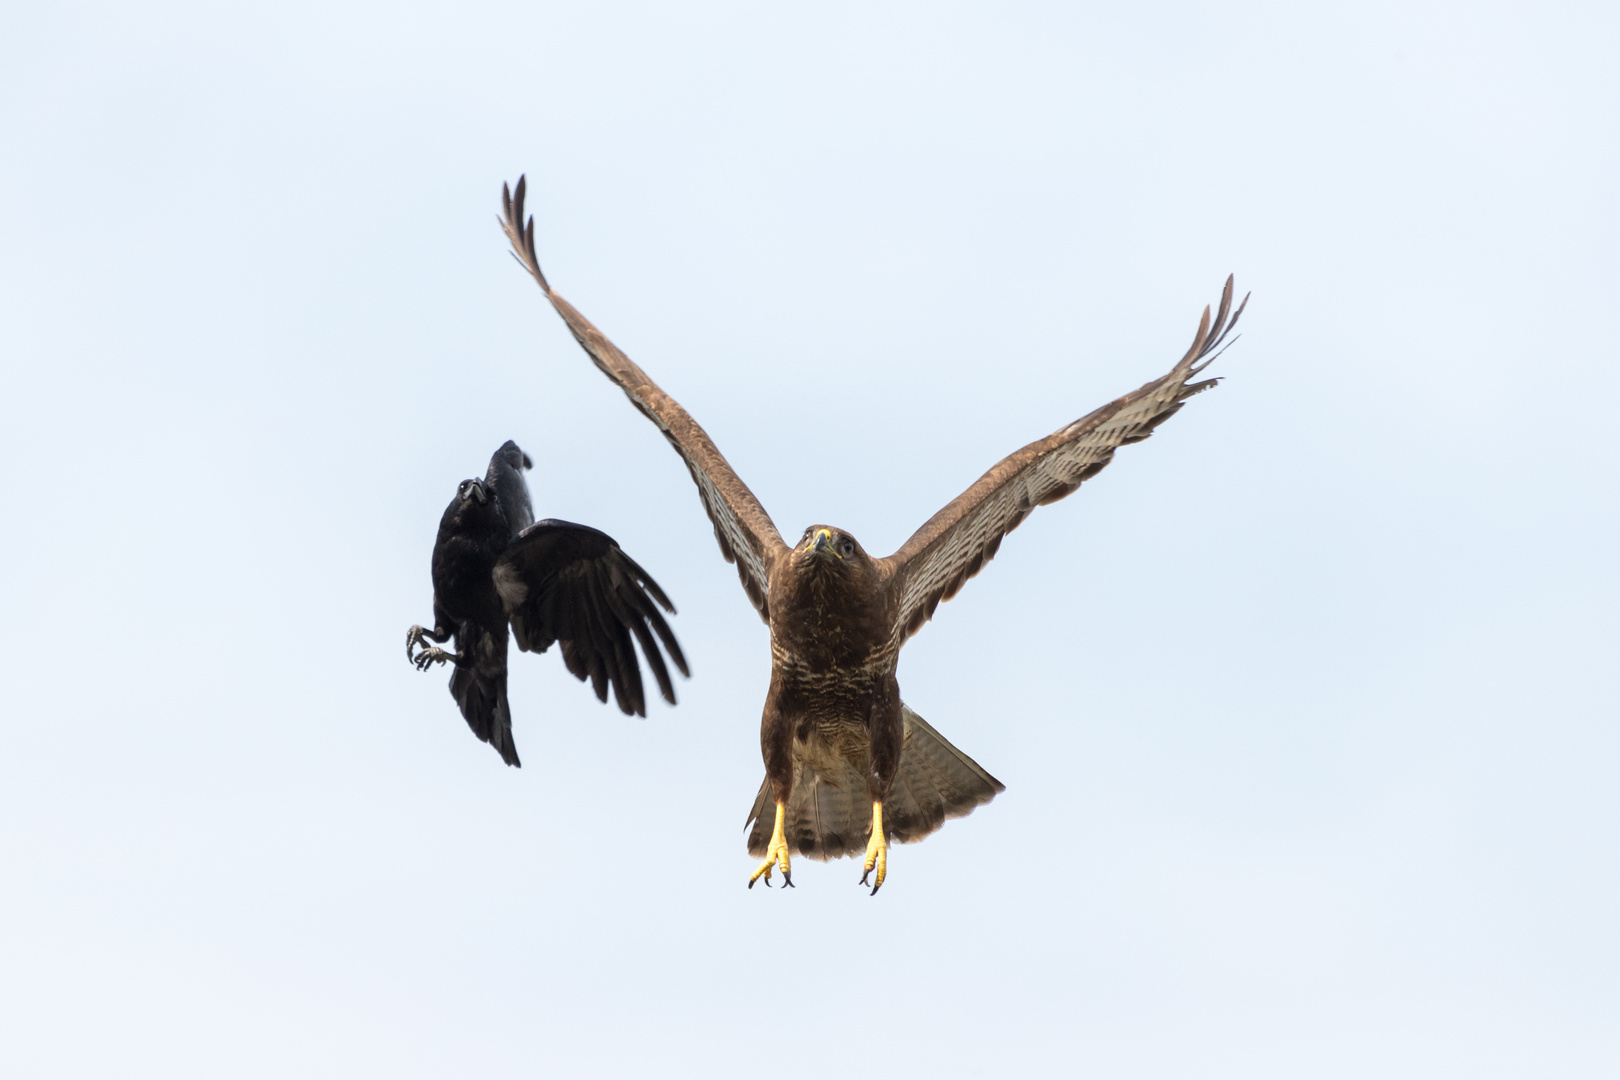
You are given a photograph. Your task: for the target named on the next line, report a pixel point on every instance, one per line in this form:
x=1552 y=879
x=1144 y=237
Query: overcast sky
x=1306 y=707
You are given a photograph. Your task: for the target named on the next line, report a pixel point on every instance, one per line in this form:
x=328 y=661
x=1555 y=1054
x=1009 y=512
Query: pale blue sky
x=1305 y=707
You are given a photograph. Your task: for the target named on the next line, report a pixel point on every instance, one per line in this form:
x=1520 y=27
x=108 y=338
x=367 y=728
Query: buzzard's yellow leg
x=777 y=852
x=877 y=850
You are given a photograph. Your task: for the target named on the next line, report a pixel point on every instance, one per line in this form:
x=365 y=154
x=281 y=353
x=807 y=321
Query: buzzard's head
x=826 y=550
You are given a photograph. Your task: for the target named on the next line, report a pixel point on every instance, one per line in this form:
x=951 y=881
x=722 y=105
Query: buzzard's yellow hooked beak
x=822 y=541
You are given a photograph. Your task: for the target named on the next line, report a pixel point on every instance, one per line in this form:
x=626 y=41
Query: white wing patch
x=510 y=585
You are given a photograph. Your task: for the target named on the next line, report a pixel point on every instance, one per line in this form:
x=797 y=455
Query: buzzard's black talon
x=776 y=855
x=877 y=850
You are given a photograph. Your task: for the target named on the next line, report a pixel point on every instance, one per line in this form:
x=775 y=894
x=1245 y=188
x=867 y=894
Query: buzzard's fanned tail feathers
x=828 y=817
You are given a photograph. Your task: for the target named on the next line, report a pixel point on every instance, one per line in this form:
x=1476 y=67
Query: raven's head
x=477 y=508
x=474 y=512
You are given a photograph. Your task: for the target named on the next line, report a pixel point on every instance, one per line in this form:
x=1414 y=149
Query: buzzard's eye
x=847 y=548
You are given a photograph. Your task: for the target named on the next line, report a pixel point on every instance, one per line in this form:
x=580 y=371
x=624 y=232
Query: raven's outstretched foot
x=415 y=636
x=776 y=854
x=428 y=657
x=877 y=850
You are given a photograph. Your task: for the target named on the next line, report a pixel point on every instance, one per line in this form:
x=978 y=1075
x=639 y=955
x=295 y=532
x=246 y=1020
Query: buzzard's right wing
x=745 y=531
x=955 y=543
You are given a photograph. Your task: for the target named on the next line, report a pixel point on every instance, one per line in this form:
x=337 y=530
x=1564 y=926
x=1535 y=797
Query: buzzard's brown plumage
x=842 y=752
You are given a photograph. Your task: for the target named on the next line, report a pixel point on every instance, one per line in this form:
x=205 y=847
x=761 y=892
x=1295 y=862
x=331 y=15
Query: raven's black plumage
x=553 y=581
x=506 y=477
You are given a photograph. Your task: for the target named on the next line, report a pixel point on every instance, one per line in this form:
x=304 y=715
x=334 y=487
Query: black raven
x=553 y=581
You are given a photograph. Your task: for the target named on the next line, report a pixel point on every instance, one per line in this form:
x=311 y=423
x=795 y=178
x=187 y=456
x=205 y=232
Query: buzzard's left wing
x=745 y=531
x=956 y=542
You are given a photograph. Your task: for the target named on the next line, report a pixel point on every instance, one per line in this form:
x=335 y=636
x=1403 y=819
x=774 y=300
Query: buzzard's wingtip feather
x=1211 y=339
x=520 y=233
x=1226 y=305
x=1199 y=339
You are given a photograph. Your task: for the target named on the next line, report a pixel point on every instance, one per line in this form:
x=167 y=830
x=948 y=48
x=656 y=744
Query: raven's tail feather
x=829 y=817
x=482 y=698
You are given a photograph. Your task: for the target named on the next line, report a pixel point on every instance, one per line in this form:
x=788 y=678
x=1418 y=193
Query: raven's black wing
x=570 y=583
x=505 y=475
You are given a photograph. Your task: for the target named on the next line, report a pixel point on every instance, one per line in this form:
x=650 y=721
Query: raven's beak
x=822 y=541
x=478 y=490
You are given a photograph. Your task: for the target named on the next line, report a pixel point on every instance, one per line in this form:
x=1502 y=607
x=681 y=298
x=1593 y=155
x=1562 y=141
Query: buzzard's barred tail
x=829 y=817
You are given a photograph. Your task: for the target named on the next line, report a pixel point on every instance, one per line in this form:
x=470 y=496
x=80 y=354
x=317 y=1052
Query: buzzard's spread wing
x=570 y=583
x=746 y=534
x=956 y=542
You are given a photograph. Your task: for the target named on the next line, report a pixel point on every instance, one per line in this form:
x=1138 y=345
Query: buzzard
x=553 y=581
x=848 y=766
